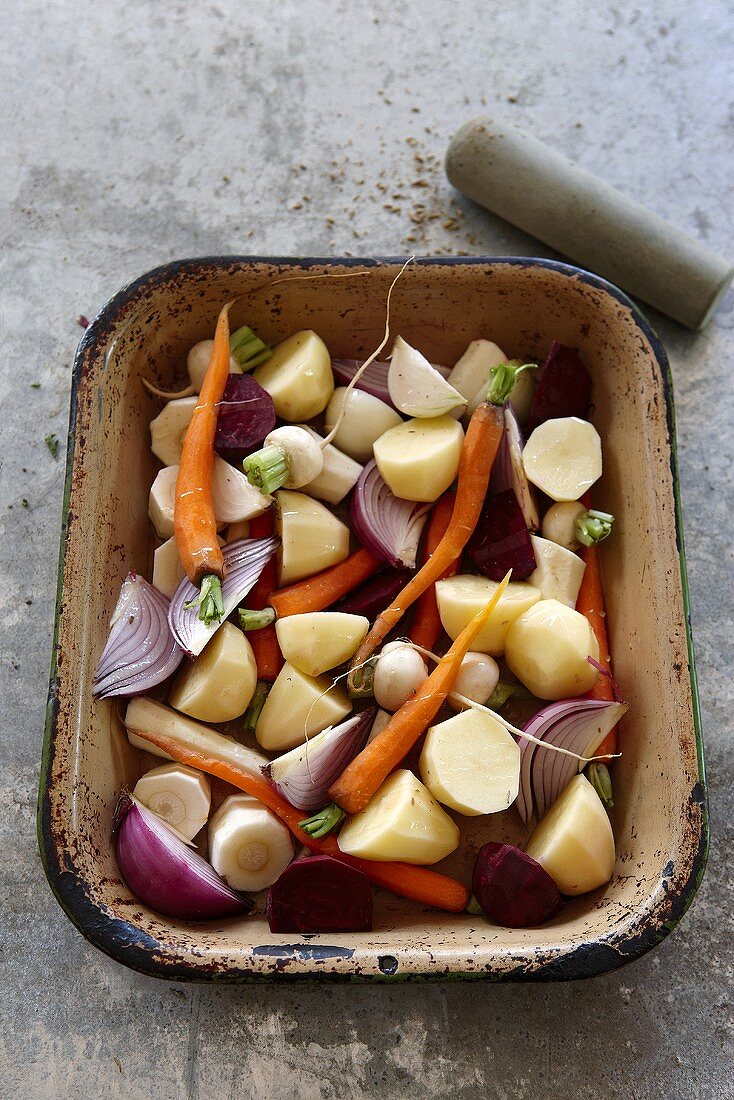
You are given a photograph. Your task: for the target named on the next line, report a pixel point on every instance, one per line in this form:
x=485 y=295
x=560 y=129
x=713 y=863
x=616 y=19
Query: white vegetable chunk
x=302 y=453
x=462 y=597
x=365 y=419
x=234 y=497
x=418 y=389
x=471 y=764
x=249 y=847
x=167 y=569
x=161 y=501
x=298 y=376
x=548 y=648
x=179 y=794
x=319 y=640
x=312 y=538
x=338 y=476
x=471 y=372
x=399 y=672
x=218 y=684
x=559 y=523
x=197 y=362
x=298 y=706
x=419 y=459
x=563 y=457
x=478 y=676
x=558 y=572
x=167 y=430
x=574 y=842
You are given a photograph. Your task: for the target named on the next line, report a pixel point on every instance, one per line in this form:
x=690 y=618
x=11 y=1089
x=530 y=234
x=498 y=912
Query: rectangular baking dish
x=660 y=819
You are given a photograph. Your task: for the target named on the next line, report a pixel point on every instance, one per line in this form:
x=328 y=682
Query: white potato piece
x=462 y=597
x=471 y=764
x=478 y=676
x=298 y=706
x=338 y=476
x=298 y=376
x=312 y=538
x=180 y=795
x=559 y=523
x=558 y=572
x=249 y=847
x=161 y=501
x=402 y=821
x=365 y=419
x=470 y=374
x=563 y=457
x=574 y=842
x=419 y=459
x=319 y=640
x=234 y=497
x=167 y=430
x=417 y=388
x=218 y=684
x=197 y=362
x=548 y=646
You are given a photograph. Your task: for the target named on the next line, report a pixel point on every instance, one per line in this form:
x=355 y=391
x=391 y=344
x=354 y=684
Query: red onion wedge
x=387 y=526
x=303 y=775
x=374 y=379
x=164 y=873
x=244 y=561
x=140 y=651
x=578 y=725
x=508 y=471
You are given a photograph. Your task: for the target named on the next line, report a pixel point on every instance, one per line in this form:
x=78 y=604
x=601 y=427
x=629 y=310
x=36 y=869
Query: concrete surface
x=137 y=132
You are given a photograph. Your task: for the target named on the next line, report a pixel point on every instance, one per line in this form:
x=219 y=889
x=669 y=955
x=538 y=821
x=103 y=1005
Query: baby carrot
x=325 y=588
x=264 y=642
x=590 y=602
x=426 y=625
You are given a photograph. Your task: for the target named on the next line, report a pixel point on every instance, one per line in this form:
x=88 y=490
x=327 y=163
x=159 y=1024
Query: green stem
x=209 y=600
x=252 y=714
x=600 y=779
x=501 y=694
x=324 y=822
x=591 y=527
x=501 y=380
x=255 y=620
x=267 y=469
x=247 y=348
x=474 y=907
x=362 y=680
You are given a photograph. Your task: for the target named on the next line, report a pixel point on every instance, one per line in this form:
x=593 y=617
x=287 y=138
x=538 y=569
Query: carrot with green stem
x=360 y=779
x=324 y=589
x=195 y=525
x=426 y=626
x=264 y=642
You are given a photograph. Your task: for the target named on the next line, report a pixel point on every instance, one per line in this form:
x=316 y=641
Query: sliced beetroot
x=512 y=888
x=372 y=597
x=320 y=894
x=564 y=388
x=501 y=540
x=245 y=416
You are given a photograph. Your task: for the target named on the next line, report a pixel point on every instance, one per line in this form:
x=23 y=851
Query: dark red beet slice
x=320 y=894
x=501 y=540
x=372 y=597
x=564 y=388
x=512 y=888
x=245 y=416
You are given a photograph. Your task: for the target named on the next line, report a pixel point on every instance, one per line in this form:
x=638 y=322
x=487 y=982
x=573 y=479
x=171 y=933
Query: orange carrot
x=325 y=588
x=427 y=626
x=481 y=444
x=195 y=527
x=360 y=779
x=419 y=883
x=264 y=642
x=590 y=602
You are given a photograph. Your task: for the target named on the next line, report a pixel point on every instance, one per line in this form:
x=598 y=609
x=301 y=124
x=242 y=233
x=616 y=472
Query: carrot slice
x=324 y=589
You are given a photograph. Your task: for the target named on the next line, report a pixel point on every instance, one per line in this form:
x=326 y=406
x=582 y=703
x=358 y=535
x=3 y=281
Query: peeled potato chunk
x=298 y=706
x=563 y=457
x=218 y=684
x=574 y=842
x=471 y=764
x=402 y=821
x=298 y=376
x=462 y=597
x=558 y=572
x=420 y=458
x=320 y=640
x=548 y=646
x=312 y=538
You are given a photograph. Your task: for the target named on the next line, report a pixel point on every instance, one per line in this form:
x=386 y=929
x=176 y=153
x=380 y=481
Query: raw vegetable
x=590 y=604
x=179 y=795
x=320 y=640
x=600 y=779
x=574 y=842
x=248 y=845
x=360 y=780
x=402 y=821
x=471 y=764
x=246 y=415
x=324 y=822
x=508 y=471
x=303 y=775
x=564 y=388
x=371 y=597
x=312 y=538
x=140 y=743
x=386 y=525
x=593 y=527
x=298 y=377
x=373 y=380
x=161 y=501
x=320 y=894
x=420 y=458
x=167 y=569
x=198 y=359
x=290 y=458
x=471 y=373
x=251 y=716
x=168 y=429
x=297 y=707
x=460 y=598
x=501 y=540
x=247 y=349
x=220 y=682
x=548 y=648
x=558 y=572
x=264 y=642
x=140 y=651
x=326 y=588
x=416 y=388
x=338 y=475
x=512 y=888
x=234 y=497
x=398 y=674
x=426 y=626
x=364 y=419
x=478 y=677
x=563 y=457
x=559 y=523
x=244 y=561
x=166 y=875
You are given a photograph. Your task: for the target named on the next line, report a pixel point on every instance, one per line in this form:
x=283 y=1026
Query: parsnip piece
x=140 y=743
x=298 y=376
x=161 y=501
x=548 y=646
x=471 y=372
x=338 y=476
x=574 y=842
x=558 y=572
x=402 y=821
x=365 y=419
x=234 y=497
x=563 y=457
x=320 y=640
x=420 y=458
x=249 y=847
x=471 y=764
x=312 y=538
x=218 y=684
x=460 y=598
x=179 y=794
x=167 y=430
x=298 y=706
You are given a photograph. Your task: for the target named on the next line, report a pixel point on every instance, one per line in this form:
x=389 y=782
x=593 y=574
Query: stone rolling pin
x=523 y=181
